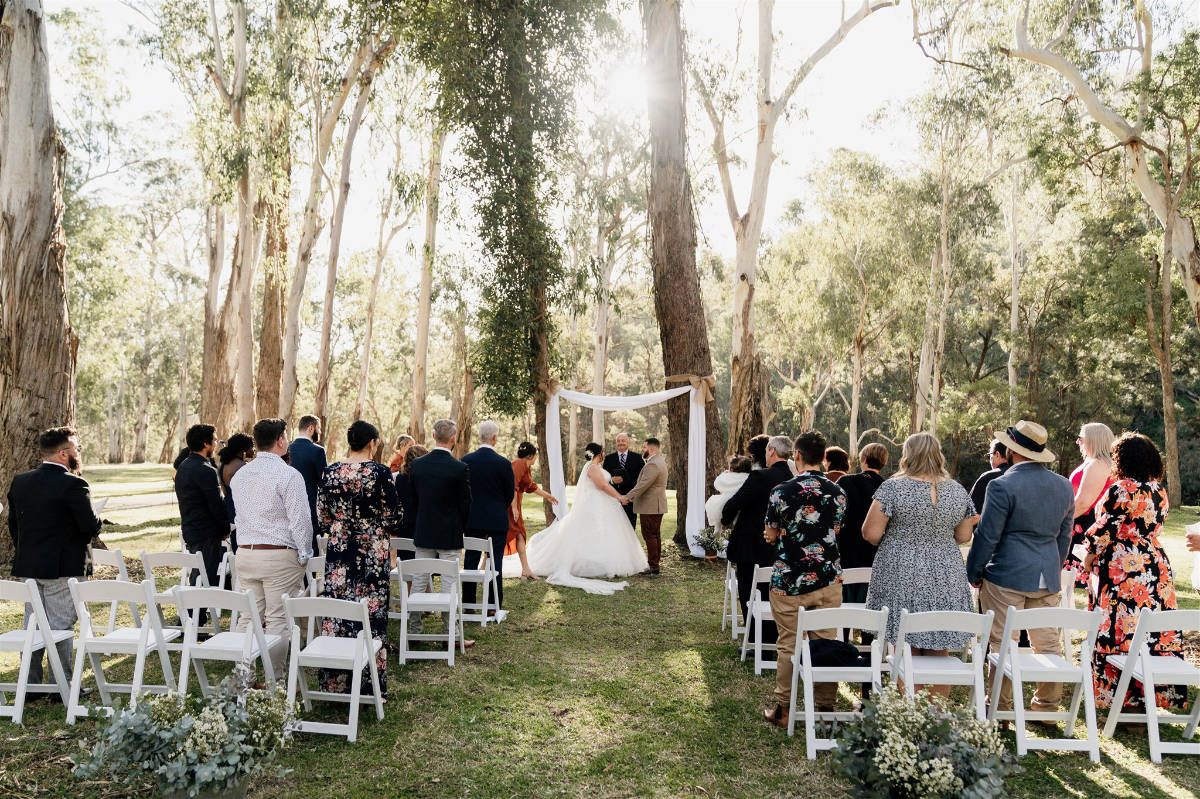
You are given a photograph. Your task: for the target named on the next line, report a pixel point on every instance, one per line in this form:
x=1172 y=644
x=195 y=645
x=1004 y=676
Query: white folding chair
x=730 y=607
x=114 y=559
x=154 y=563
x=1025 y=665
x=484 y=576
x=30 y=640
x=429 y=602
x=1067 y=600
x=860 y=575
x=314 y=586
x=227 y=572
x=138 y=640
x=322 y=544
x=758 y=610
x=872 y=621
x=947 y=669
x=231 y=645
x=1154 y=670
x=396 y=546
x=333 y=652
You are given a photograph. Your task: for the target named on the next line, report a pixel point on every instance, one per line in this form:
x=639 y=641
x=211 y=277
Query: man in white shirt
x=274 y=526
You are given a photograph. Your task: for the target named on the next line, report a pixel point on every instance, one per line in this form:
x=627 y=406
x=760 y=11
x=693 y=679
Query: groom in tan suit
x=649 y=496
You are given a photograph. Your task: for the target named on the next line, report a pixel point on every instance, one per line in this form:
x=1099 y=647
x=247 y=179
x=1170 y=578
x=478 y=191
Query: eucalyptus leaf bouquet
x=902 y=748
x=712 y=539
x=189 y=745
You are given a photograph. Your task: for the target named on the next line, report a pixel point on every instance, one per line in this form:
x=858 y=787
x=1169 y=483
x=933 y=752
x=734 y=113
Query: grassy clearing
x=638 y=694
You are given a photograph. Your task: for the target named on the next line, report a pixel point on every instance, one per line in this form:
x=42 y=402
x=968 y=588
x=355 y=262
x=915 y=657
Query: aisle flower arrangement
x=902 y=748
x=712 y=540
x=192 y=747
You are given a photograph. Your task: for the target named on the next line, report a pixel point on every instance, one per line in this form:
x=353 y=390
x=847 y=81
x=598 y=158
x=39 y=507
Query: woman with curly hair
x=1133 y=570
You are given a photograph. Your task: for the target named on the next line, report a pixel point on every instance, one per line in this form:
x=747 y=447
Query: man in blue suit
x=1020 y=544
x=492 y=490
x=308 y=457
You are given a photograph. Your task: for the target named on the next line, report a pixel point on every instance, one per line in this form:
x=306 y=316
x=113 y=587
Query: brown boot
x=776 y=715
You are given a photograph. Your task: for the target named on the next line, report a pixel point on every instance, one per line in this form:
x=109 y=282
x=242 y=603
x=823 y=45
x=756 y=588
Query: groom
x=625 y=467
x=649 y=497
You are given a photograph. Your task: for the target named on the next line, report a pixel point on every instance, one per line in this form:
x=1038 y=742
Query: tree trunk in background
x=167 y=453
x=216 y=371
x=928 y=335
x=141 y=425
x=181 y=421
x=1015 y=254
x=677 y=303
x=433 y=179
x=463 y=412
x=1160 y=342
x=37 y=345
x=939 y=352
x=115 y=411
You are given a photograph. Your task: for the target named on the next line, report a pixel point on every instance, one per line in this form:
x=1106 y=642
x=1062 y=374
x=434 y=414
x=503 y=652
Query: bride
x=593 y=540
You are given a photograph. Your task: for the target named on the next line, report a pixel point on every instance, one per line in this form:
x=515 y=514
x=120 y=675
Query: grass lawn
x=639 y=694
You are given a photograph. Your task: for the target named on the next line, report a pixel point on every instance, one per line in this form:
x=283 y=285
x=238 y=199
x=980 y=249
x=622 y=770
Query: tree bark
x=939 y=352
x=141 y=425
x=925 y=362
x=116 y=422
x=433 y=180
x=677 y=302
x=1015 y=254
x=216 y=405
x=1159 y=333
x=181 y=422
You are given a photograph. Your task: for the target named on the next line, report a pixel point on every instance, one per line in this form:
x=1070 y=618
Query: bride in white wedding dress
x=593 y=540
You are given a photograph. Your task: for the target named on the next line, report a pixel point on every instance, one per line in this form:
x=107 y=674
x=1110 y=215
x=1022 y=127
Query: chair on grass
x=396 y=546
x=730 y=607
x=333 y=652
x=483 y=576
x=138 y=639
x=860 y=575
x=947 y=669
x=429 y=602
x=113 y=558
x=232 y=645
x=758 y=610
x=1153 y=670
x=1024 y=665
x=807 y=621
x=30 y=640
x=155 y=563
x=227 y=572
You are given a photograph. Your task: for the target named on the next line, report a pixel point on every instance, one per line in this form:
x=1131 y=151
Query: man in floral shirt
x=803 y=518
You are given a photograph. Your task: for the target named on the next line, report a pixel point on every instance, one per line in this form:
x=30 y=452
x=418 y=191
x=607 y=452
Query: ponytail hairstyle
x=361 y=434
x=526 y=449
x=593 y=449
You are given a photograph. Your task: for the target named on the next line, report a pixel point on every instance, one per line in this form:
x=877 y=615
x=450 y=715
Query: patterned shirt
x=272 y=505
x=807 y=510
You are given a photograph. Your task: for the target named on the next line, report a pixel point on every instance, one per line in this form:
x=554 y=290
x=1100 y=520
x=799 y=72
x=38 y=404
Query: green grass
x=639 y=694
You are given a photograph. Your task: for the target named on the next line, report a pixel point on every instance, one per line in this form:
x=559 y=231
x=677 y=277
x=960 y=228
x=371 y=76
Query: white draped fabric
x=694 y=521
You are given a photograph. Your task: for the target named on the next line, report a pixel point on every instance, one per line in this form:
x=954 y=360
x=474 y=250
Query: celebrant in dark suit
x=625 y=466
x=307 y=456
x=492 y=490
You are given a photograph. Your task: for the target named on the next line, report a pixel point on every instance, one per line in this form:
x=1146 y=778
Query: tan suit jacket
x=649 y=494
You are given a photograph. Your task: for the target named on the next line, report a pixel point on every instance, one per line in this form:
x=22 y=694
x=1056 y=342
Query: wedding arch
x=697 y=391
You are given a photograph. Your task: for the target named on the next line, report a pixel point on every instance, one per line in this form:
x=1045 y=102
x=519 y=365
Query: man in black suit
x=625 y=466
x=859 y=489
x=51 y=521
x=202 y=516
x=441 y=486
x=745 y=516
x=306 y=456
x=492 y=490
x=998 y=458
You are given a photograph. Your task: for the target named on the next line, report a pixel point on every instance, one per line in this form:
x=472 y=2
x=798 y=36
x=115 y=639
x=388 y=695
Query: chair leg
x=1018 y=692
x=355 y=695
x=1089 y=716
x=1076 y=697
x=101 y=680
x=139 y=674
x=202 y=677
x=746 y=632
x=22 y=684
x=1190 y=729
x=1118 y=700
x=184 y=666
x=977 y=694
x=483 y=612
x=758 y=658
x=1151 y=714
x=374 y=666
x=403 y=637
x=792 y=696
x=76 y=683
x=810 y=720
x=164 y=660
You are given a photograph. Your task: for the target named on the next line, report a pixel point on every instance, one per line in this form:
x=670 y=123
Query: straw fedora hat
x=1027 y=439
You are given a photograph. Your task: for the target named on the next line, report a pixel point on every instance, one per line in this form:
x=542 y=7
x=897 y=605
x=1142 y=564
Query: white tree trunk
x=1014 y=299
x=182 y=403
x=433 y=179
x=939 y=353
x=928 y=336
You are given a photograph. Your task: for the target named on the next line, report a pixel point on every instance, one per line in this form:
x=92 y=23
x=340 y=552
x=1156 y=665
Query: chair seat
x=476 y=575
x=1035 y=666
x=131 y=635
x=14 y=640
x=932 y=664
x=232 y=643
x=1168 y=670
x=335 y=647
x=428 y=601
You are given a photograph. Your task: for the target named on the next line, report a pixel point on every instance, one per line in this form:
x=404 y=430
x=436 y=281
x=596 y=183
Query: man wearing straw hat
x=1017 y=556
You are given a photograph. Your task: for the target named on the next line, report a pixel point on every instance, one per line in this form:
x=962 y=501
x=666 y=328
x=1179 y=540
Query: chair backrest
x=1157 y=621
x=139 y=597
x=871 y=621
x=308 y=607
x=314 y=574
x=401 y=545
x=26 y=592
x=113 y=558
x=322 y=543
x=190 y=599
x=1056 y=618
x=472 y=544
x=228 y=568
x=856 y=576
x=762 y=574
x=440 y=566
x=958 y=621
x=184 y=561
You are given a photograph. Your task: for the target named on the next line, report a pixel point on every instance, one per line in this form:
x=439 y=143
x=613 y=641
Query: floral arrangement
x=909 y=748
x=190 y=745
x=712 y=539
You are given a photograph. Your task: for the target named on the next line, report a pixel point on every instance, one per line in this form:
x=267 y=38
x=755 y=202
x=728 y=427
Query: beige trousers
x=269 y=574
x=1044 y=641
x=785 y=610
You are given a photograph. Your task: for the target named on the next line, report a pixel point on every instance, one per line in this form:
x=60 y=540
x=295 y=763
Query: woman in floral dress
x=1132 y=567
x=357 y=508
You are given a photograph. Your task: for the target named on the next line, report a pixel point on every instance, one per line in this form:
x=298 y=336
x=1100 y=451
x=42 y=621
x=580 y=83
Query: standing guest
x=855 y=550
x=441 y=486
x=1133 y=570
x=744 y=514
x=404 y=494
x=917 y=519
x=625 y=467
x=726 y=485
x=998 y=460
x=1017 y=556
x=358 y=510
x=307 y=456
x=237 y=452
x=837 y=463
x=1091 y=481
x=51 y=522
x=522 y=468
x=203 y=519
x=275 y=536
x=403 y=442
x=756 y=449
x=492 y=492
x=803 y=518
x=649 y=500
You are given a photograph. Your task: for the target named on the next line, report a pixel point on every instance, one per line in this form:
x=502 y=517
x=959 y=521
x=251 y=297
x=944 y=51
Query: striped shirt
x=272 y=505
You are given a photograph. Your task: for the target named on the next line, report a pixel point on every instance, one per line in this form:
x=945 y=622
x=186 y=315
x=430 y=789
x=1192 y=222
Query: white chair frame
x=396 y=545
x=30 y=641
x=443 y=601
x=186 y=562
x=758 y=610
x=731 y=609
x=322 y=544
x=915 y=670
x=484 y=576
x=139 y=640
x=1025 y=665
x=860 y=575
x=229 y=646
x=114 y=559
x=227 y=576
x=872 y=621
x=333 y=652
x=1145 y=668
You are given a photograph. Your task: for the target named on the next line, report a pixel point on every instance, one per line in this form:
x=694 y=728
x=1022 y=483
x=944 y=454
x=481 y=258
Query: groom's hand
x=618 y=480
x=624 y=500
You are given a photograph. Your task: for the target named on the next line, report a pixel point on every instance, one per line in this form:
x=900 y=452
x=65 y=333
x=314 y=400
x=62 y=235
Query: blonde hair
x=1098 y=439
x=922 y=457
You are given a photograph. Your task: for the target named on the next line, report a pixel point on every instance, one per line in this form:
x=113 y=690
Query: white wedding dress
x=593 y=540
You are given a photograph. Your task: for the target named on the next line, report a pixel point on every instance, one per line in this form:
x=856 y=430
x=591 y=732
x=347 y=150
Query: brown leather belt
x=263 y=546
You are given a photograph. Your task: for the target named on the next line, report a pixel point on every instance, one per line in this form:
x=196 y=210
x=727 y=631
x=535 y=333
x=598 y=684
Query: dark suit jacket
x=308 y=459
x=51 y=521
x=746 y=510
x=404 y=495
x=628 y=474
x=979 y=490
x=860 y=492
x=441 y=486
x=492 y=489
x=202 y=512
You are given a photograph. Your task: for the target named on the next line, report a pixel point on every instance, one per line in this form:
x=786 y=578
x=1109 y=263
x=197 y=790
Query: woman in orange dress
x=402 y=445
x=523 y=479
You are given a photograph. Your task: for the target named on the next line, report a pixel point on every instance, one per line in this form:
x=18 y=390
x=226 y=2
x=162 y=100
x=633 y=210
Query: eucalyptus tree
x=432 y=203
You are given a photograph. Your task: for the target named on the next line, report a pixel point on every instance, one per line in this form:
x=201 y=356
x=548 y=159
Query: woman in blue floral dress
x=358 y=509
